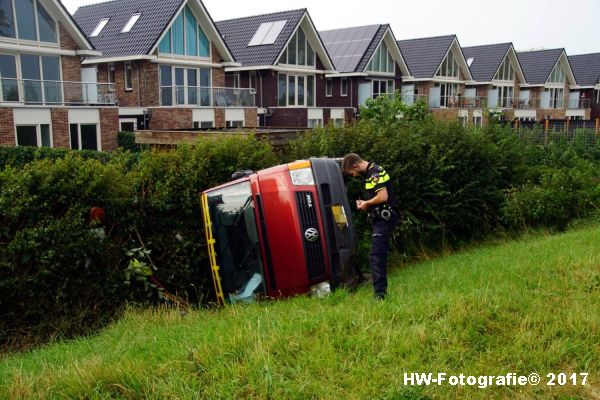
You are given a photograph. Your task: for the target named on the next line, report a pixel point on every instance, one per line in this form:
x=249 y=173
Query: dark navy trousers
x=380 y=243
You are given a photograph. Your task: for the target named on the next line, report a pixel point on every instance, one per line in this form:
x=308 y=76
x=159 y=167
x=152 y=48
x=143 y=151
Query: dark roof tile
x=586 y=68
x=486 y=60
x=238 y=32
x=537 y=65
x=424 y=56
x=155 y=16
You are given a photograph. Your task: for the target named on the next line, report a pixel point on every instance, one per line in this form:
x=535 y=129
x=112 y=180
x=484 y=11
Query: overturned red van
x=280 y=232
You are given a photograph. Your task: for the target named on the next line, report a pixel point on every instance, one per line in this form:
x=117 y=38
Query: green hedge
x=61 y=276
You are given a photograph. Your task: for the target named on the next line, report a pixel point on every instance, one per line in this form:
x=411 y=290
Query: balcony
x=204 y=96
x=546 y=103
x=56 y=93
x=455 y=102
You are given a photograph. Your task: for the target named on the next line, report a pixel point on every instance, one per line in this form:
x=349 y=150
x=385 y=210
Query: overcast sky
x=529 y=24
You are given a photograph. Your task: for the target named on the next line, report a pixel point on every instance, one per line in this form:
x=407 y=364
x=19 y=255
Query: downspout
x=137 y=67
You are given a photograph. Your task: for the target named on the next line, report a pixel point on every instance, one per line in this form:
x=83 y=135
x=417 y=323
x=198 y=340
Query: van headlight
x=302 y=177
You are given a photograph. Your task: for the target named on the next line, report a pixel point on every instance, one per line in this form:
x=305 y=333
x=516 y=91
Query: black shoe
x=379 y=296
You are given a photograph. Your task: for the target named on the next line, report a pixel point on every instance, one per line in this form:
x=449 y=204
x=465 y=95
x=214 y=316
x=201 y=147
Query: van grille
x=313 y=251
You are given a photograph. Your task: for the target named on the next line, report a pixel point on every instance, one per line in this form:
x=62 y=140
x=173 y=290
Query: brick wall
x=127 y=98
x=172 y=118
x=215 y=55
x=220 y=118
x=150 y=84
x=7 y=127
x=250 y=118
x=109 y=127
x=66 y=41
x=60 y=128
x=288 y=117
x=71 y=72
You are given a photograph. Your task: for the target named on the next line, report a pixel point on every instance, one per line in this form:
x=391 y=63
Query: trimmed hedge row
x=62 y=274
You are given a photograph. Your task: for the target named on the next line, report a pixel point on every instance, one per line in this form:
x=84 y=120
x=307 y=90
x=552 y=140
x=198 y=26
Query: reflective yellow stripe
x=210 y=244
x=383 y=178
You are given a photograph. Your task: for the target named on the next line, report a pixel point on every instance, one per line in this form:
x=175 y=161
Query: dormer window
x=131 y=23
x=99 y=27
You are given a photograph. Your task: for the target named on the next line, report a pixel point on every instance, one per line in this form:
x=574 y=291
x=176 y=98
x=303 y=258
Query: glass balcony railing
x=447 y=101
x=205 y=96
x=39 y=92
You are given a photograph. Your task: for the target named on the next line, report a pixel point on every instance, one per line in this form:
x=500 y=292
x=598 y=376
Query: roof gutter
x=118 y=59
x=281 y=69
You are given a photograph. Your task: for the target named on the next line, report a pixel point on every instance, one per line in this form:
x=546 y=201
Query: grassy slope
x=526 y=306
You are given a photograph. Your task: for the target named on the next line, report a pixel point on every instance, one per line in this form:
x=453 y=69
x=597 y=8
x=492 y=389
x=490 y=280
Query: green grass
x=526 y=306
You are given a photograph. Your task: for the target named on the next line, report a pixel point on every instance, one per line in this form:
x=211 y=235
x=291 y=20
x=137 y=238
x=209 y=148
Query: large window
x=505 y=72
x=299 y=51
x=556 y=97
x=184 y=86
x=28 y=20
x=41 y=79
x=34 y=135
x=449 y=67
x=84 y=137
x=505 y=96
x=382 y=87
x=557 y=75
x=382 y=60
x=296 y=90
x=448 y=94
x=7 y=21
x=185 y=37
x=9 y=87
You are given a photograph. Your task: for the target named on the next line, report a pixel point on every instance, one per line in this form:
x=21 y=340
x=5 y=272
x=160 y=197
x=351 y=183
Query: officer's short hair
x=349 y=160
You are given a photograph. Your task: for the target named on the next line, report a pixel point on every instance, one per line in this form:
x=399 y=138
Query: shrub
x=22 y=155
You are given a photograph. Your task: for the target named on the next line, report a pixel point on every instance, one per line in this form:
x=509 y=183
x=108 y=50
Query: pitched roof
x=424 y=56
x=238 y=32
x=537 y=65
x=351 y=48
x=586 y=68
x=155 y=16
x=486 y=60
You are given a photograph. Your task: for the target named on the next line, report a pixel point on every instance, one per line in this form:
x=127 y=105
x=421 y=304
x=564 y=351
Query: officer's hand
x=361 y=205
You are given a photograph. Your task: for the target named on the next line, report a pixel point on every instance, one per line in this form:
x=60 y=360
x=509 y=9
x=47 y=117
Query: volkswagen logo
x=311 y=234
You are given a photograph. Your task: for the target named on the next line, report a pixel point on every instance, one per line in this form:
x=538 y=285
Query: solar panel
x=267 y=33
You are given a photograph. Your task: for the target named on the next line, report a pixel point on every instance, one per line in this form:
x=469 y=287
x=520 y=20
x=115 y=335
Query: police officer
x=381 y=214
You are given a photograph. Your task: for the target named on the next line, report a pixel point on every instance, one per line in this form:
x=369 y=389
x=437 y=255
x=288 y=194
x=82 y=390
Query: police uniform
x=383 y=218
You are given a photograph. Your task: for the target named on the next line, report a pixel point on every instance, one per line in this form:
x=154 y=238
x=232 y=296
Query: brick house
x=551 y=89
x=586 y=68
x=285 y=62
x=43 y=101
x=167 y=61
x=498 y=75
x=368 y=64
x=439 y=76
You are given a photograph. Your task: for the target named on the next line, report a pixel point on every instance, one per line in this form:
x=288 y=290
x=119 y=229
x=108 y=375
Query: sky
x=529 y=24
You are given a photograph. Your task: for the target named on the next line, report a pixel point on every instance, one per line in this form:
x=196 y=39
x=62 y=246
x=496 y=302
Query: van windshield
x=238 y=249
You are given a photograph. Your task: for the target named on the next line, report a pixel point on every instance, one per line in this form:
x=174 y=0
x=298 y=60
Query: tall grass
x=526 y=306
